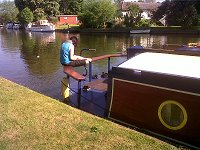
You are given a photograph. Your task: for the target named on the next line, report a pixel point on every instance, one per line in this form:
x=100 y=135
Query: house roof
x=142 y=5
x=66 y=15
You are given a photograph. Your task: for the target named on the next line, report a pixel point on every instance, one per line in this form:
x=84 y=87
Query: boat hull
x=39 y=29
x=145 y=100
x=147 y=31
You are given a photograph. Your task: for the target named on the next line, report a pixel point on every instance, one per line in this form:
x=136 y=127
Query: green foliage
x=49 y=7
x=117 y=1
x=179 y=13
x=21 y=4
x=8 y=12
x=53 y=19
x=71 y=7
x=26 y=15
x=133 y=16
x=198 y=20
x=144 y=23
x=96 y=13
x=182 y=13
x=162 y=11
x=39 y=14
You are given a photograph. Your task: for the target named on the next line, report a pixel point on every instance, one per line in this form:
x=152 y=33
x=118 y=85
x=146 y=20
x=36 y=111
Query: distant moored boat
x=41 y=26
x=140 y=31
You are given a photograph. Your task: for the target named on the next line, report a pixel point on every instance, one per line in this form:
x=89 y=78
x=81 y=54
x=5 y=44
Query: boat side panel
x=138 y=104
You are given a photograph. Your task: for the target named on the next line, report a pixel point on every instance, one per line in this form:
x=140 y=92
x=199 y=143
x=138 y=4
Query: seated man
x=67 y=56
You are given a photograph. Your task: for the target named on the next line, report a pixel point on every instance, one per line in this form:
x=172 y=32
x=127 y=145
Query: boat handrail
x=107 y=56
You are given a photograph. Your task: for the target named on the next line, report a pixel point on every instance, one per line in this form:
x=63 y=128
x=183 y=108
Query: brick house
x=68 y=19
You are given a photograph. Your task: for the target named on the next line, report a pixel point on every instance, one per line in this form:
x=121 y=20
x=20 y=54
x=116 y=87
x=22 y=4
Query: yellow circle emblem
x=172 y=115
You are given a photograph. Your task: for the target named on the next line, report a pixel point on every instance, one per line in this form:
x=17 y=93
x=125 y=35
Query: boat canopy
x=173 y=64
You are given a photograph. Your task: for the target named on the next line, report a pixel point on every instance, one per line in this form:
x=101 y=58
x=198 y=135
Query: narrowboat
x=158 y=92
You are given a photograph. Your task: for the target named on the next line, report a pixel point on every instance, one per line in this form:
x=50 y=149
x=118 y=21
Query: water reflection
x=43 y=37
x=40 y=53
x=9 y=40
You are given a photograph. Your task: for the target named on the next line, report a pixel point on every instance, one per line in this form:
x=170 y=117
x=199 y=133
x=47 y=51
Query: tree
x=21 y=4
x=49 y=7
x=162 y=11
x=8 y=12
x=71 y=7
x=26 y=15
x=117 y=1
x=96 y=13
x=39 y=14
x=133 y=16
x=180 y=13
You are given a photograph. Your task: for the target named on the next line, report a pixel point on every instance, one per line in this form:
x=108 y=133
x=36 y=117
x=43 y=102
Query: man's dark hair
x=73 y=37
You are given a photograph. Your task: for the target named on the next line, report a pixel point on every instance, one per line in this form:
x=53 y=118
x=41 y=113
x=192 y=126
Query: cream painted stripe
x=111 y=96
x=158 y=87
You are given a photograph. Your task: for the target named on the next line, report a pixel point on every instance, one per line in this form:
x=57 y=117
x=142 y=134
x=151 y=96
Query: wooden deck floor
x=98 y=84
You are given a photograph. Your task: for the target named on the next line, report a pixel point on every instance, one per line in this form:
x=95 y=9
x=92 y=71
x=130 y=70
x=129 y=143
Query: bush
x=26 y=15
x=144 y=23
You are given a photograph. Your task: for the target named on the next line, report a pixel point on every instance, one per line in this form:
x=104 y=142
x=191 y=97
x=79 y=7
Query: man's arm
x=76 y=57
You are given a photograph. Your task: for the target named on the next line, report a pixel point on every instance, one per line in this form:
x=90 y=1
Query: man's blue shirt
x=65 y=52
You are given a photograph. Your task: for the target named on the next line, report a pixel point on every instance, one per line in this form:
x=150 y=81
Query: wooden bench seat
x=75 y=75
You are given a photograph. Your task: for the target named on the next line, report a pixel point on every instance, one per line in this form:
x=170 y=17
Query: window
x=172 y=115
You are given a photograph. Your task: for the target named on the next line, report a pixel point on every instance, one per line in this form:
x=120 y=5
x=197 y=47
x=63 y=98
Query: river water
x=32 y=59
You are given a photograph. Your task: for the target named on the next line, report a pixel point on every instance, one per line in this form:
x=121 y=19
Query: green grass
x=29 y=120
x=66 y=26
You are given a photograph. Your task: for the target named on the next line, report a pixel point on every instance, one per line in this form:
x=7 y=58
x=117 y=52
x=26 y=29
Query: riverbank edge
x=30 y=120
x=153 y=30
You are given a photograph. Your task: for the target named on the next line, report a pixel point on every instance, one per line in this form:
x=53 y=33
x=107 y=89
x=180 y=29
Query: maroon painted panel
x=138 y=105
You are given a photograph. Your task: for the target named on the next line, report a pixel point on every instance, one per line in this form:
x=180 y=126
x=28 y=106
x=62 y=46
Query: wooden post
x=79 y=94
x=108 y=64
x=90 y=71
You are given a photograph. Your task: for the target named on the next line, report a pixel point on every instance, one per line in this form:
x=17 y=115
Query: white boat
x=140 y=31
x=16 y=26
x=41 y=26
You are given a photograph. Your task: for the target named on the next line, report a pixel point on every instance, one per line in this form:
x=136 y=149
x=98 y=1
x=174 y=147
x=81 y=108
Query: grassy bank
x=64 y=26
x=29 y=120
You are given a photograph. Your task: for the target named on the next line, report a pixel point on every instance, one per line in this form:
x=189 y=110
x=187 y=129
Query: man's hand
x=89 y=59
